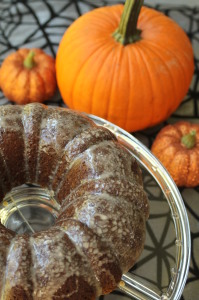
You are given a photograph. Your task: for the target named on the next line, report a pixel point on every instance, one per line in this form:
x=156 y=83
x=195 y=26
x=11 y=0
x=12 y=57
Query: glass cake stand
x=161 y=271
x=165 y=202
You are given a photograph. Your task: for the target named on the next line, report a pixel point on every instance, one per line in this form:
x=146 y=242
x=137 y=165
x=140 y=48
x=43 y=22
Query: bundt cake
x=100 y=229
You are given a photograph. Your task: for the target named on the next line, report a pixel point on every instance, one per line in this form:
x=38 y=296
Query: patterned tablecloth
x=41 y=24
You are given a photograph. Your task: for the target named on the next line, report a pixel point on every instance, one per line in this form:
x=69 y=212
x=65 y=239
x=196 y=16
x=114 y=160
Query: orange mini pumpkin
x=135 y=74
x=177 y=147
x=28 y=76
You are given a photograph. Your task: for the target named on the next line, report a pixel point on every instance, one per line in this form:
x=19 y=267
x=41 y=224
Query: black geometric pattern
x=41 y=23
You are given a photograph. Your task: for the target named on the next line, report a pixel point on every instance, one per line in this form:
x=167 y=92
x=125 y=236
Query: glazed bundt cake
x=100 y=229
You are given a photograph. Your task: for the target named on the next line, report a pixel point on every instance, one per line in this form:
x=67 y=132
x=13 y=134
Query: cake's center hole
x=28 y=209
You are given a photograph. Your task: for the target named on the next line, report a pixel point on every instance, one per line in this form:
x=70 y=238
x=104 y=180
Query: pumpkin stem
x=29 y=60
x=127 y=31
x=189 y=140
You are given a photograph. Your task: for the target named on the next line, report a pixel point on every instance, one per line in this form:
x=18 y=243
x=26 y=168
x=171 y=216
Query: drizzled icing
x=101 y=227
x=102 y=258
x=57 y=128
x=55 y=261
x=106 y=159
x=78 y=145
x=113 y=219
x=18 y=267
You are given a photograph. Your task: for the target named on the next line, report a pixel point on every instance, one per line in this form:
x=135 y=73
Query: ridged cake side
x=6 y=237
x=18 y=275
x=57 y=128
x=12 y=147
x=31 y=118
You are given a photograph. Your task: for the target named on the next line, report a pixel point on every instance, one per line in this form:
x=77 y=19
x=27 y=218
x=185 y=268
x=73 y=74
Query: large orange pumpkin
x=135 y=74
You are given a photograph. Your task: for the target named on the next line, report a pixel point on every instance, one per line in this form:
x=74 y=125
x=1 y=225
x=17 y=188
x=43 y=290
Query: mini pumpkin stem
x=29 y=62
x=127 y=31
x=189 y=140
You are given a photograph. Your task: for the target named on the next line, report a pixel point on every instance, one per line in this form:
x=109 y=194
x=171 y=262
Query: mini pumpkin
x=28 y=76
x=177 y=147
x=133 y=70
